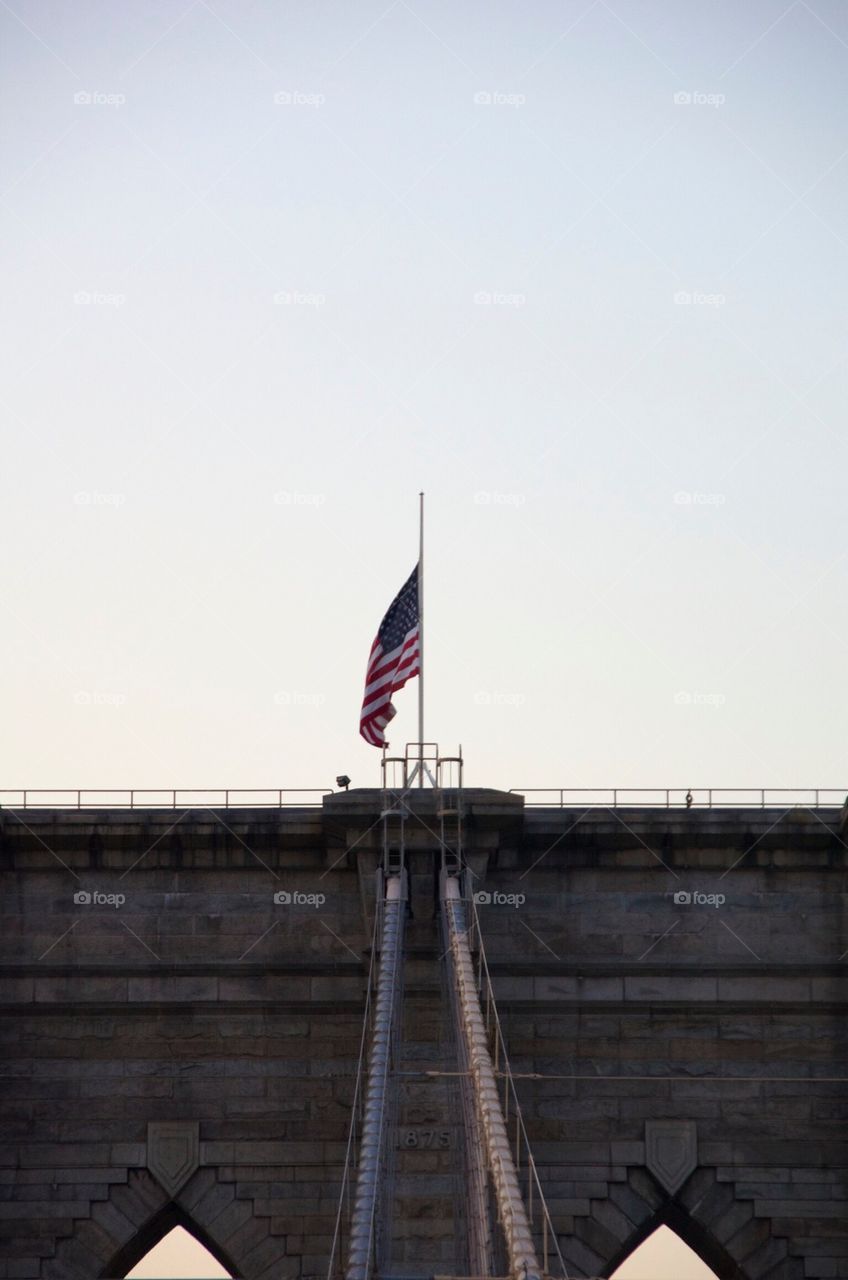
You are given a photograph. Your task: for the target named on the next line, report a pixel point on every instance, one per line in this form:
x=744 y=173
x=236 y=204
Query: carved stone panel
x=173 y=1152
x=671 y=1151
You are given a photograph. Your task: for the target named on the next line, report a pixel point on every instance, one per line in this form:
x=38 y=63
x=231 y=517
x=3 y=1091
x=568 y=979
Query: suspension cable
x=516 y=1227
x=503 y=1071
x=373 y=1140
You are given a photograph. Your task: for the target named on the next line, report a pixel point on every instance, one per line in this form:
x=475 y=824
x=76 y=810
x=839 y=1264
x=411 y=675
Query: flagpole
x=421 y=639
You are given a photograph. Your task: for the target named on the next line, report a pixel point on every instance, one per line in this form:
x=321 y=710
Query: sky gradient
x=577 y=270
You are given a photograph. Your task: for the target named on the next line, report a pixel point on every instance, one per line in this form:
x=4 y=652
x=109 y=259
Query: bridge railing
x=311 y=797
x=683 y=797
x=164 y=798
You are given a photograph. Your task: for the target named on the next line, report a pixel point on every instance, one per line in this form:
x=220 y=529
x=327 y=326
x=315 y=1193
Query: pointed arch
x=707 y=1214
x=687 y=1229
x=159 y=1226
x=178 y=1253
x=122 y=1228
x=698 y=1240
x=663 y=1253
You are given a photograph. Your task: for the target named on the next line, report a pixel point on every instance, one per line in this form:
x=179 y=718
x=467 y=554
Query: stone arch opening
x=154 y=1231
x=663 y=1253
x=178 y=1253
x=693 y=1233
x=716 y=1217
x=124 y=1226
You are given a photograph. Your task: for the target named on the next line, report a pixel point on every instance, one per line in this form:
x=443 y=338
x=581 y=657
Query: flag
x=393 y=660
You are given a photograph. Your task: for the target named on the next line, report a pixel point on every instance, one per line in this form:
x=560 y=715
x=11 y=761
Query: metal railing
x=164 y=798
x=683 y=797
x=311 y=797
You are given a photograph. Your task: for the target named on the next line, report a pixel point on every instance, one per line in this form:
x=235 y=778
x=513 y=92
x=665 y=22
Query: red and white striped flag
x=394 y=659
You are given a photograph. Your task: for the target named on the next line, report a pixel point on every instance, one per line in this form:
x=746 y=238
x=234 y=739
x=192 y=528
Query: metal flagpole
x=421 y=639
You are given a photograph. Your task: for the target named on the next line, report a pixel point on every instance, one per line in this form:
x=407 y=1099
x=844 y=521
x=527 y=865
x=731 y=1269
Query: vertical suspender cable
x=523 y=1263
x=373 y=1143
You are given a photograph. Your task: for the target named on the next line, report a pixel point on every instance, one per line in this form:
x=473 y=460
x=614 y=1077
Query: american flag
x=393 y=660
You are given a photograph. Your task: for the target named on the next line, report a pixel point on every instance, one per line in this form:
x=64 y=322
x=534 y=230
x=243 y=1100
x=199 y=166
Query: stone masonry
x=188 y=1055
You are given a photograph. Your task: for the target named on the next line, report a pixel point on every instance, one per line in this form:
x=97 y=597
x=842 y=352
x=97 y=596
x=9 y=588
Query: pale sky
x=178 y=1256
x=578 y=270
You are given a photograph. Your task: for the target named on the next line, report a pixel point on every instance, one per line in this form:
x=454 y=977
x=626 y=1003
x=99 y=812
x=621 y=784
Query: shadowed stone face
x=188 y=1056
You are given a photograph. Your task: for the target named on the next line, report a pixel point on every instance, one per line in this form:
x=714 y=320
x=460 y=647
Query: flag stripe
x=386 y=670
x=384 y=689
x=394 y=659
